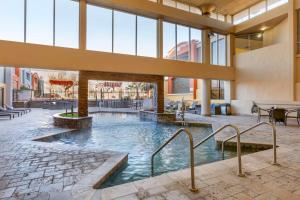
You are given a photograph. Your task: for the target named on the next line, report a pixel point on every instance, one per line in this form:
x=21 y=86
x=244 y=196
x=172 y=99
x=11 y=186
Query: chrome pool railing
x=253 y=127
x=192 y=159
x=239 y=153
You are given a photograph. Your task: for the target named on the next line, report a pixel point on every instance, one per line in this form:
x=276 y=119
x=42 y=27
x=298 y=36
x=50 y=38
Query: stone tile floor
x=33 y=170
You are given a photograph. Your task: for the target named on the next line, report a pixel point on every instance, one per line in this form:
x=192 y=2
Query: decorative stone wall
x=157 y=117
x=73 y=123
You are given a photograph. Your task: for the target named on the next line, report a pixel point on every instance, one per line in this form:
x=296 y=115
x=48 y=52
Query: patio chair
x=21 y=110
x=6 y=115
x=278 y=115
x=256 y=109
x=2 y=110
x=297 y=116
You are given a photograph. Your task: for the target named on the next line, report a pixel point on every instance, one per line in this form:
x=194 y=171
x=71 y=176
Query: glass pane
x=195 y=10
x=221 y=17
x=196 y=45
x=258 y=9
x=169 y=40
x=171 y=3
x=124 y=33
x=222 y=50
x=213 y=15
x=275 y=3
x=241 y=17
x=214 y=50
x=40 y=22
x=183 y=47
x=146 y=37
x=99 y=29
x=183 y=6
x=12 y=20
x=67 y=23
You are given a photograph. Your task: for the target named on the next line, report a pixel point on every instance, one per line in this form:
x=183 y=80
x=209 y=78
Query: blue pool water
x=127 y=133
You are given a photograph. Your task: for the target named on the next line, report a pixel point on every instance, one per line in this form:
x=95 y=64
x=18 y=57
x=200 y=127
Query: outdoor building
x=150 y=99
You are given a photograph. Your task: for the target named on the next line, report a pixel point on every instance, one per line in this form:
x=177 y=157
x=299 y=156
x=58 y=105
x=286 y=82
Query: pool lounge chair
x=2 y=110
x=7 y=115
x=293 y=111
x=23 y=110
x=278 y=115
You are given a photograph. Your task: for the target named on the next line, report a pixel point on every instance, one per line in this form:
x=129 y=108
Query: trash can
x=225 y=109
x=216 y=109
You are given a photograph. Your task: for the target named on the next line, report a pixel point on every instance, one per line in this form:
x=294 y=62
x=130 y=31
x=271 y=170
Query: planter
x=72 y=123
x=158 y=117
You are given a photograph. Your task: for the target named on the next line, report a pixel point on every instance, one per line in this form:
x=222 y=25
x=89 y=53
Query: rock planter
x=72 y=122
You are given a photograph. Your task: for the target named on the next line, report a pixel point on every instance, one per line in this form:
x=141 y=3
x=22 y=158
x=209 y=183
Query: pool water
x=127 y=133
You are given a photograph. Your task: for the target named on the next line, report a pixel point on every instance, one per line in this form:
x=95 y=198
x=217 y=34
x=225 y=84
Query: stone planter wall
x=157 y=117
x=73 y=123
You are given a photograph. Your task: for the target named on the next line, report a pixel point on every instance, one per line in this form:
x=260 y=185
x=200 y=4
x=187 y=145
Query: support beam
x=160 y=95
x=83 y=95
x=82 y=24
x=292 y=25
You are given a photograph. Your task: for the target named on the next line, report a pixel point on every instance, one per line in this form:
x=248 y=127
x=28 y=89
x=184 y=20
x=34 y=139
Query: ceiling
x=226 y=7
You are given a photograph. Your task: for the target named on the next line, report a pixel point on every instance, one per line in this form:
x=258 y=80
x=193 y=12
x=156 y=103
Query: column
x=160 y=49
x=82 y=24
x=205 y=83
x=292 y=30
x=83 y=95
x=160 y=95
x=8 y=86
x=229 y=85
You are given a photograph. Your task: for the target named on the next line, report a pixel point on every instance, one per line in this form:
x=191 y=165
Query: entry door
x=2 y=97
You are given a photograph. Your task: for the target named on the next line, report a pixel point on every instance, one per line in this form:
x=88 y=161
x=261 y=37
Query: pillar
x=229 y=85
x=8 y=76
x=292 y=30
x=82 y=24
x=160 y=49
x=205 y=97
x=83 y=95
x=160 y=95
x=205 y=83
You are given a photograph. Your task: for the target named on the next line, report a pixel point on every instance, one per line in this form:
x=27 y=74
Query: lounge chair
x=23 y=110
x=292 y=111
x=2 y=110
x=7 y=115
x=278 y=115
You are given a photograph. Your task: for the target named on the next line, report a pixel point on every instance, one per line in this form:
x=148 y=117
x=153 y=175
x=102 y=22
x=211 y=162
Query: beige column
x=82 y=24
x=292 y=30
x=229 y=86
x=160 y=41
x=83 y=95
x=205 y=83
x=160 y=95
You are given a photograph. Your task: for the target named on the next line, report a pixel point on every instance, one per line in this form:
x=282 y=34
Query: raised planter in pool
x=157 y=117
x=72 y=121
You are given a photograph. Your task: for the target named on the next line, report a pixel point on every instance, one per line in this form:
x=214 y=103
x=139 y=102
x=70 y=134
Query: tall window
x=218 y=49
x=67 y=23
x=275 y=3
x=146 y=37
x=39 y=24
x=258 y=9
x=169 y=38
x=99 y=29
x=241 y=17
x=124 y=33
x=12 y=20
x=217 y=89
x=182 y=43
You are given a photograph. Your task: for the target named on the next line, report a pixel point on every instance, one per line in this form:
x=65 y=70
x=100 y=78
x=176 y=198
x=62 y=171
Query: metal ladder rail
x=240 y=173
x=192 y=158
x=253 y=127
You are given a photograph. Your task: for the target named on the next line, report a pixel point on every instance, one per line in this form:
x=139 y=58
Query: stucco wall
x=276 y=35
x=263 y=75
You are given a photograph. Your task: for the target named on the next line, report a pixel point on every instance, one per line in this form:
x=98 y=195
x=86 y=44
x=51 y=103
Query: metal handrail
x=253 y=127
x=192 y=161
x=240 y=173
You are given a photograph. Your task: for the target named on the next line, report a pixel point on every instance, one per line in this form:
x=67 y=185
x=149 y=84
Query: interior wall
x=263 y=75
x=276 y=35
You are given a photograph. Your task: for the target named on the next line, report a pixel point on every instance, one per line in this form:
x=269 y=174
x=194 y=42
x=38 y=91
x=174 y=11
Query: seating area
x=12 y=112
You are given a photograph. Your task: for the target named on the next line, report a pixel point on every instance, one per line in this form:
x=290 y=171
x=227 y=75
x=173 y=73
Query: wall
x=262 y=75
x=278 y=34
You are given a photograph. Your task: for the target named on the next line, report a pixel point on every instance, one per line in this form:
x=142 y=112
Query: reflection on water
x=126 y=133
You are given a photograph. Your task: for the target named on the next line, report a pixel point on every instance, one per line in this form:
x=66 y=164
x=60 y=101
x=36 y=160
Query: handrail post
x=239 y=153
x=274 y=145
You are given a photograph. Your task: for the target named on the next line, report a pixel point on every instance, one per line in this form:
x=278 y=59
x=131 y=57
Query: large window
x=217 y=89
x=12 y=20
x=169 y=38
x=275 y=3
x=124 y=33
x=67 y=23
x=241 y=17
x=182 y=43
x=258 y=9
x=39 y=22
x=218 y=49
x=146 y=37
x=99 y=29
